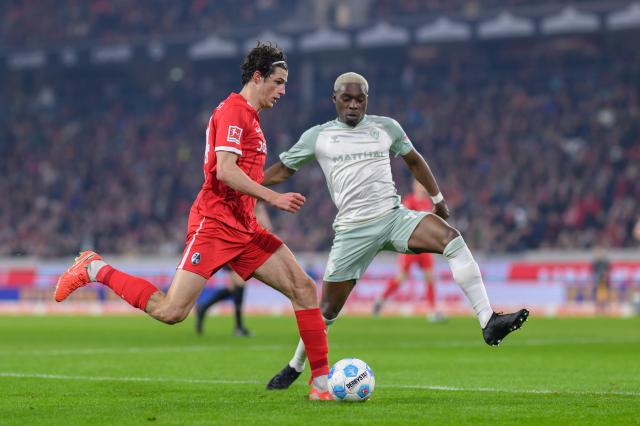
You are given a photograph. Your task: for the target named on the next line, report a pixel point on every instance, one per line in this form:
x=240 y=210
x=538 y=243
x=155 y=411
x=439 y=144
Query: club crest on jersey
x=234 y=134
x=195 y=258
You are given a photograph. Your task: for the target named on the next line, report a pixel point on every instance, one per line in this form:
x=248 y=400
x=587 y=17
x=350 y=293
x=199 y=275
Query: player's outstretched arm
x=421 y=171
x=227 y=171
x=276 y=174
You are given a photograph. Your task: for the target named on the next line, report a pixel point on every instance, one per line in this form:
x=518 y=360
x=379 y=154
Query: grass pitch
x=133 y=370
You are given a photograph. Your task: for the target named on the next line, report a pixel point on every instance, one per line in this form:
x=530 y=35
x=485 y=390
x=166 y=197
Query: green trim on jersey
x=401 y=143
x=304 y=150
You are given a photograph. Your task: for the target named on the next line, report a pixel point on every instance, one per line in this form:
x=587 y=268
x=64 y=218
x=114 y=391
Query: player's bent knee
x=305 y=293
x=329 y=312
x=174 y=316
x=451 y=234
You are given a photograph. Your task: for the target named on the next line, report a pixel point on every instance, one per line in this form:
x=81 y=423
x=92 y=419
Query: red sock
x=314 y=335
x=392 y=286
x=431 y=295
x=135 y=291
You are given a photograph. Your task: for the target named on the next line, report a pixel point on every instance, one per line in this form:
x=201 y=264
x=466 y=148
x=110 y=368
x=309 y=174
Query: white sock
x=93 y=269
x=467 y=275
x=299 y=358
x=321 y=383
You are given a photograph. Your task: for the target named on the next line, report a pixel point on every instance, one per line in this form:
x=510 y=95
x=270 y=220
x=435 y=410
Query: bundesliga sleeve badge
x=233 y=134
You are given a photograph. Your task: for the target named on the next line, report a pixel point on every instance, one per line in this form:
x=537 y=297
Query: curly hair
x=261 y=58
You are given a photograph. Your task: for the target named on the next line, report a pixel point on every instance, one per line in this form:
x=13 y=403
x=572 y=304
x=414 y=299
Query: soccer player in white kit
x=354 y=154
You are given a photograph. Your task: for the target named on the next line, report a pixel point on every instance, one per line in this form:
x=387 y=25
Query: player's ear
x=333 y=98
x=257 y=75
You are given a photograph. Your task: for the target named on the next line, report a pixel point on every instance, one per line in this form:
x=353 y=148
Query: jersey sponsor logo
x=358 y=156
x=234 y=133
x=195 y=258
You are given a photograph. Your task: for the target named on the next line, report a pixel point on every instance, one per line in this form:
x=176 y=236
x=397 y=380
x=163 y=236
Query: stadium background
x=528 y=113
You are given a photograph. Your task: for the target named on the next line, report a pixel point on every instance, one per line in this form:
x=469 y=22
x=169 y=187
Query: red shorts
x=211 y=244
x=424 y=260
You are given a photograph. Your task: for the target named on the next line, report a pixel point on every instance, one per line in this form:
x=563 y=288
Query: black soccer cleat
x=242 y=332
x=500 y=325
x=284 y=378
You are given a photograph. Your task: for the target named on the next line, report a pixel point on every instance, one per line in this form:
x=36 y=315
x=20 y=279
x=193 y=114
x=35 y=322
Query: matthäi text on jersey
x=359 y=156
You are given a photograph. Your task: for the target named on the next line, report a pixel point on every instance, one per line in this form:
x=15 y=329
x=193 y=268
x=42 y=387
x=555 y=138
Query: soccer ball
x=351 y=379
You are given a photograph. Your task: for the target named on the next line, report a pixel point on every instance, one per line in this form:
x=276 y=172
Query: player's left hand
x=289 y=202
x=441 y=209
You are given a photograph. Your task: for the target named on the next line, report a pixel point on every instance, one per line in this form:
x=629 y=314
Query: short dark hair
x=261 y=58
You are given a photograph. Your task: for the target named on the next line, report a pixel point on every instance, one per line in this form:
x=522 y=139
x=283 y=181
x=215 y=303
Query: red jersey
x=420 y=204
x=234 y=127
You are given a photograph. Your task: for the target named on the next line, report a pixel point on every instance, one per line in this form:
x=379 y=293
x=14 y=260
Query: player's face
x=272 y=88
x=351 y=103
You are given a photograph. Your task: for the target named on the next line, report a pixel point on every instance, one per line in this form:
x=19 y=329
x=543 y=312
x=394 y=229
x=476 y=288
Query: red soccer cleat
x=76 y=276
x=316 y=395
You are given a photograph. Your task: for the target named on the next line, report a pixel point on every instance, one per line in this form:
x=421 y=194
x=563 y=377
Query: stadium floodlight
x=629 y=17
x=325 y=39
x=570 y=20
x=383 y=34
x=281 y=41
x=27 y=60
x=111 y=53
x=506 y=25
x=212 y=47
x=443 y=29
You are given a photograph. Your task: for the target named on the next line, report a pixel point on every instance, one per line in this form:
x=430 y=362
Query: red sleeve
x=231 y=127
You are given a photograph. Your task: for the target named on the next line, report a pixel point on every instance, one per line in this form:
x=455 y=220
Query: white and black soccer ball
x=351 y=379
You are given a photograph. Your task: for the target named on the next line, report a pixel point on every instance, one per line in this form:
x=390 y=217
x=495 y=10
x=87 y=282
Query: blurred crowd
x=471 y=9
x=37 y=22
x=535 y=144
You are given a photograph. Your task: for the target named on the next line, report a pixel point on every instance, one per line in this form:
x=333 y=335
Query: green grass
x=132 y=370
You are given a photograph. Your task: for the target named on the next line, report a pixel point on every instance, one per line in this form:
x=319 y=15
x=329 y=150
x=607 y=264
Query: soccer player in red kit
x=418 y=200
x=222 y=228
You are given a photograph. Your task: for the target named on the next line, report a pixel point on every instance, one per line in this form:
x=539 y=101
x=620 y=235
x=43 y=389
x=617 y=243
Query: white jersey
x=356 y=164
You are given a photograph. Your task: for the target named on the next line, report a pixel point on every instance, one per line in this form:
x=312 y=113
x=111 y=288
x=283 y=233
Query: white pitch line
x=127 y=379
x=527 y=391
x=142 y=350
x=406 y=345
x=10 y=374
x=521 y=342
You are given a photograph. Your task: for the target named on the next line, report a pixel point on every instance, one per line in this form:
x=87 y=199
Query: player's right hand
x=441 y=209
x=289 y=202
